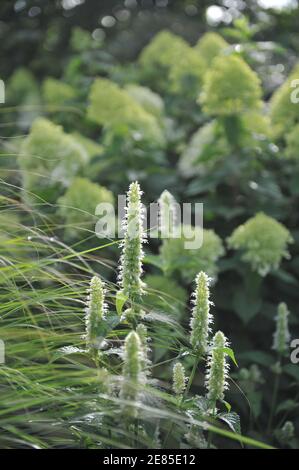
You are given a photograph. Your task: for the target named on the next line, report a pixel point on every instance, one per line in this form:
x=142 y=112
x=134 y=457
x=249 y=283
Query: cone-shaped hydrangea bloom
x=113 y=108
x=132 y=251
x=56 y=92
x=230 y=87
x=201 y=316
x=168 y=215
x=188 y=262
x=281 y=337
x=284 y=109
x=180 y=64
x=263 y=241
x=209 y=46
x=292 y=139
x=217 y=368
x=179 y=379
x=95 y=311
x=77 y=211
x=58 y=156
x=133 y=376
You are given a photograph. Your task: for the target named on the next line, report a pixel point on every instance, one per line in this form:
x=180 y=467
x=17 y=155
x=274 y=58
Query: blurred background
x=36 y=33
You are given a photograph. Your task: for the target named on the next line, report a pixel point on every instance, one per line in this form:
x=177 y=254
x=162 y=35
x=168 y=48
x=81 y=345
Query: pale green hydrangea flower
x=284 y=113
x=230 y=87
x=188 y=262
x=263 y=242
x=204 y=150
x=114 y=108
x=173 y=58
x=292 y=140
x=49 y=159
x=209 y=46
x=56 y=92
x=77 y=206
x=149 y=100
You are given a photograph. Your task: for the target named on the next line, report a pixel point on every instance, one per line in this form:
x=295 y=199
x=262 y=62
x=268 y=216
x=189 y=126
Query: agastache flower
x=179 y=379
x=217 y=369
x=133 y=376
x=281 y=337
x=168 y=215
x=95 y=311
x=141 y=330
x=201 y=316
x=132 y=251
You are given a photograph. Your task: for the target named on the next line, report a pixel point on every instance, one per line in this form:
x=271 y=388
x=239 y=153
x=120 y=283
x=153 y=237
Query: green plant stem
x=274 y=399
x=209 y=432
x=193 y=371
x=180 y=400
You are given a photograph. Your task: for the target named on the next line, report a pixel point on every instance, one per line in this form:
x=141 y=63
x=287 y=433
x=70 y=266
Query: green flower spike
x=281 y=337
x=132 y=251
x=179 y=379
x=95 y=312
x=133 y=375
x=201 y=316
x=141 y=330
x=168 y=215
x=217 y=369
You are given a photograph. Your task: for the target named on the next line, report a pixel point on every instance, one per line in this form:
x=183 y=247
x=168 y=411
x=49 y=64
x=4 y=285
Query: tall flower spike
x=281 y=337
x=133 y=376
x=168 y=215
x=179 y=379
x=201 y=316
x=141 y=330
x=217 y=368
x=132 y=252
x=95 y=311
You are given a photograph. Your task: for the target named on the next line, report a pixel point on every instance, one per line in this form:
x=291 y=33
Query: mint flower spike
x=95 y=311
x=168 y=215
x=141 y=330
x=217 y=369
x=201 y=316
x=281 y=337
x=133 y=376
x=179 y=379
x=132 y=251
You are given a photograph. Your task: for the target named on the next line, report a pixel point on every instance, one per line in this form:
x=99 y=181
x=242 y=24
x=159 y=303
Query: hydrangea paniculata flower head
x=284 y=111
x=263 y=241
x=230 y=87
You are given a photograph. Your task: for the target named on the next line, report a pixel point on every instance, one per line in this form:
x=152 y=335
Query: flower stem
x=274 y=398
x=191 y=378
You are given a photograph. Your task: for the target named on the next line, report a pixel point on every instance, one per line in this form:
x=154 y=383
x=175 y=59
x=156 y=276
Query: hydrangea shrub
x=263 y=242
